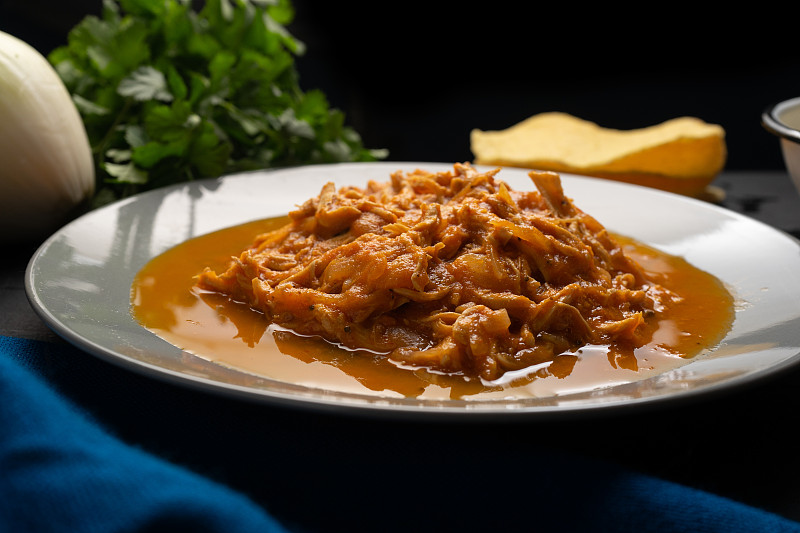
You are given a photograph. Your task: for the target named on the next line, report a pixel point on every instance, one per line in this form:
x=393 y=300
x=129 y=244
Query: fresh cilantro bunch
x=170 y=93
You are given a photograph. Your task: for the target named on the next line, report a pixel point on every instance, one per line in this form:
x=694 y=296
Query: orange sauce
x=208 y=325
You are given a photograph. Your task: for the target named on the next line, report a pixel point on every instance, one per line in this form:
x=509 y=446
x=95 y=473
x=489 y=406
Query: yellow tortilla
x=681 y=155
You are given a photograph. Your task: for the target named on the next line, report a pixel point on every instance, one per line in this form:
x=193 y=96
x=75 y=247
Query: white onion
x=46 y=166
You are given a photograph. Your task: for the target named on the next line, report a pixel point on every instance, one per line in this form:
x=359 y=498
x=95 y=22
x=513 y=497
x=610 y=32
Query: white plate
x=79 y=283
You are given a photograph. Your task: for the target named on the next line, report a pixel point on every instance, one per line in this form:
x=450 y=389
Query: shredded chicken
x=453 y=271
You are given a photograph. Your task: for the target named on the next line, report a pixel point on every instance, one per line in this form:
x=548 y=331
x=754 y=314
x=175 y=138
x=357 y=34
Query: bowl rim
x=770 y=121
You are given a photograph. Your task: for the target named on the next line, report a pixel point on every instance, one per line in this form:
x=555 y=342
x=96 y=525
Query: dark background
x=416 y=78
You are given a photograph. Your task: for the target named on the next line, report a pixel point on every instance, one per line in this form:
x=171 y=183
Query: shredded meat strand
x=451 y=270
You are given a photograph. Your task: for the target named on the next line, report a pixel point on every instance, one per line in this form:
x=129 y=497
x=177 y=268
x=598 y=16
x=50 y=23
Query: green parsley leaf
x=169 y=93
x=145 y=83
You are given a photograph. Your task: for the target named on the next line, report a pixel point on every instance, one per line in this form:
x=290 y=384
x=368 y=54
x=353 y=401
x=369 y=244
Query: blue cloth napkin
x=63 y=469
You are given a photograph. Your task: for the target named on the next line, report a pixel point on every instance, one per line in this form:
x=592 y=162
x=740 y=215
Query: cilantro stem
x=229 y=64
x=100 y=147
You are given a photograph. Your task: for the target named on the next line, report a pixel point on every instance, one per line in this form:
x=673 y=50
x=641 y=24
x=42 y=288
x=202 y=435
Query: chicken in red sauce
x=452 y=271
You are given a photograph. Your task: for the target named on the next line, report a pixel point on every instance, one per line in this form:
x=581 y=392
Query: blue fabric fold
x=63 y=469
x=60 y=471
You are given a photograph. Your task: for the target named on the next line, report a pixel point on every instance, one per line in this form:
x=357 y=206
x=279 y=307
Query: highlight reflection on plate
x=79 y=282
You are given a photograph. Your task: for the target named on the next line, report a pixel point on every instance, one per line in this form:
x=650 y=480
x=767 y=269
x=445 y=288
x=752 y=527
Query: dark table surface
x=740 y=444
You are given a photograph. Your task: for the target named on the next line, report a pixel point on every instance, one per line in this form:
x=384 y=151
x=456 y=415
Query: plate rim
x=371 y=405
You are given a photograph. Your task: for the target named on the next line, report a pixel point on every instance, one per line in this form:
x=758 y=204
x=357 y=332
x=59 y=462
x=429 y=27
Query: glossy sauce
x=208 y=325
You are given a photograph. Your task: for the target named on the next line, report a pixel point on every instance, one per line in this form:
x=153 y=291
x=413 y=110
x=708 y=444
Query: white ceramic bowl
x=783 y=119
x=80 y=279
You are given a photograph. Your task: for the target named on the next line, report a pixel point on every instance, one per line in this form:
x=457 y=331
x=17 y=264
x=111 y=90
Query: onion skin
x=46 y=165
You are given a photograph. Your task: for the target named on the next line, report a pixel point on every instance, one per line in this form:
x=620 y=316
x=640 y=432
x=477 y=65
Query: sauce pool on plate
x=166 y=301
